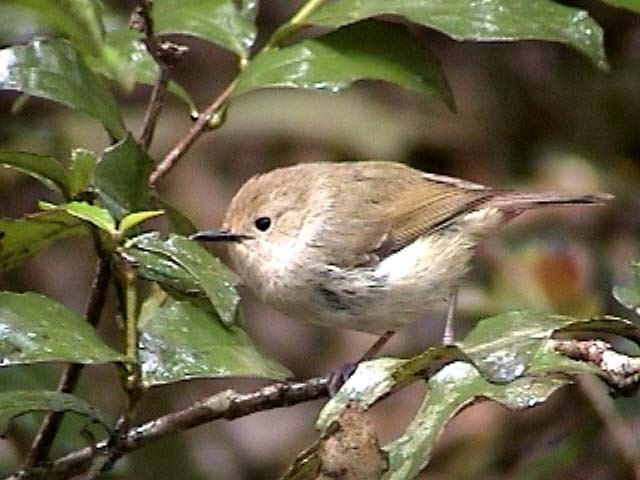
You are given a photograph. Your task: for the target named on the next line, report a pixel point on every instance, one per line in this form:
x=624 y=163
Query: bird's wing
x=429 y=207
x=395 y=206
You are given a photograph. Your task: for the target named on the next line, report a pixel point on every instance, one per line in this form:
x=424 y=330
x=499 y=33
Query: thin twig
x=43 y=440
x=203 y=121
x=198 y=127
x=227 y=404
x=166 y=55
x=156 y=102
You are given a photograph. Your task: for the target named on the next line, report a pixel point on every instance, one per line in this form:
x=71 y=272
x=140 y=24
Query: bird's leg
x=377 y=346
x=342 y=374
x=448 y=335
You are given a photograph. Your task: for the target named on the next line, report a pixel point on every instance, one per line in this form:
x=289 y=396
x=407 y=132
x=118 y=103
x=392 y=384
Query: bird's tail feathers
x=519 y=201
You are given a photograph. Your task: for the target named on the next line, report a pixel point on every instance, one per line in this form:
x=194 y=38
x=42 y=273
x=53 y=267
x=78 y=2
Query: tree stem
x=43 y=440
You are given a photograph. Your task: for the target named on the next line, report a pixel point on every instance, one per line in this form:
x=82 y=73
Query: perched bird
x=365 y=245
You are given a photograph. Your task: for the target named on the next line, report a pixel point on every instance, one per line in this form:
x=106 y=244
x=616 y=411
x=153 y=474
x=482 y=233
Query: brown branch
x=43 y=440
x=198 y=127
x=156 y=102
x=227 y=404
x=166 y=55
x=203 y=121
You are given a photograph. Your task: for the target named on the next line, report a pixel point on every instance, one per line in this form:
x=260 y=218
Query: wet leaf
x=81 y=167
x=189 y=268
x=98 y=216
x=81 y=21
x=19 y=402
x=54 y=70
x=629 y=295
x=605 y=324
x=179 y=341
x=509 y=358
x=249 y=9
x=162 y=269
x=217 y=21
x=120 y=178
x=374 y=379
x=136 y=218
x=22 y=238
x=34 y=328
x=368 y=50
x=633 y=5
x=44 y=168
x=449 y=391
x=487 y=20
x=503 y=347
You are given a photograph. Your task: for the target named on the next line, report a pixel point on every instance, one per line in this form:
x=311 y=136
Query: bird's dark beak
x=219 y=236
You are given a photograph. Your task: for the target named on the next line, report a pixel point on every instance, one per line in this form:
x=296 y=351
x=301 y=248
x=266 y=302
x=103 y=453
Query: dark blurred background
x=529 y=115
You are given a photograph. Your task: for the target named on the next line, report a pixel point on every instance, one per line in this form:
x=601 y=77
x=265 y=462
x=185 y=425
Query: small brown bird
x=365 y=245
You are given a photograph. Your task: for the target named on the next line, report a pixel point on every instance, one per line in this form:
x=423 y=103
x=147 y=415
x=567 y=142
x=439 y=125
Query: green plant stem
x=43 y=440
x=132 y=384
x=131 y=303
x=294 y=24
x=131 y=381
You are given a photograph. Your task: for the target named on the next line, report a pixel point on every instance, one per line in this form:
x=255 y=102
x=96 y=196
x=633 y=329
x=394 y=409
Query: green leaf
x=134 y=219
x=367 y=50
x=508 y=358
x=126 y=60
x=98 y=216
x=44 y=168
x=249 y=10
x=505 y=346
x=23 y=238
x=160 y=268
x=19 y=402
x=629 y=295
x=179 y=341
x=120 y=178
x=487 y=20
x=53 y=69
x=81 y=168
x=449 y=391
x=79 y=20
x=217 y=21
x=633 y=5
x=374 y=379
x=34 y=328
x=188 y=267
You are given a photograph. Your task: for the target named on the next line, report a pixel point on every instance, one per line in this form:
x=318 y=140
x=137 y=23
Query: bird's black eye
x=263 y=223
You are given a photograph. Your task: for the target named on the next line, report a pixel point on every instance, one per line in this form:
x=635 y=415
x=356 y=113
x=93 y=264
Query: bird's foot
x=338 y=377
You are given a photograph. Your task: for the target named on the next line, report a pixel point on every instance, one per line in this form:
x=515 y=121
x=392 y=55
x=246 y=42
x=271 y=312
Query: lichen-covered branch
x=620 y=371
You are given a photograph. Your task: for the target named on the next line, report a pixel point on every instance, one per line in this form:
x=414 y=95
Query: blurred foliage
x=530 y=113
